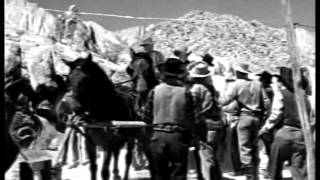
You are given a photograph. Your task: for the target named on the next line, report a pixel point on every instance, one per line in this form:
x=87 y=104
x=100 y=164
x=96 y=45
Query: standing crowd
x=185 y=109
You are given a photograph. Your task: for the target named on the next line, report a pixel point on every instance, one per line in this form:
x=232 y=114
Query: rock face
x=226 y=37
x=27 y=17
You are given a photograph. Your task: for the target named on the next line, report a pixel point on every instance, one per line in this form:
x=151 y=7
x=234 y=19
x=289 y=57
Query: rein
x=130 y=80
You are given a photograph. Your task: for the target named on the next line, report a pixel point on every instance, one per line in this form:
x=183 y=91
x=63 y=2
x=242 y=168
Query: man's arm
x=276 y=112
x=205 y=103
x=266 y=101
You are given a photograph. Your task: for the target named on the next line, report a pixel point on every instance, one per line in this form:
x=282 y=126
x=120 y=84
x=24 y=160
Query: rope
x=117 y=84
x=135 y=17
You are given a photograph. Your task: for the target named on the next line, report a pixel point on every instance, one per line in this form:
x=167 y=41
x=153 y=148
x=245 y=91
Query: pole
x=298 y=91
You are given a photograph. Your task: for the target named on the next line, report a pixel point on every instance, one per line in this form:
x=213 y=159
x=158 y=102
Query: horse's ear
x=132 y=53
x=90 y=59
x=68 y=63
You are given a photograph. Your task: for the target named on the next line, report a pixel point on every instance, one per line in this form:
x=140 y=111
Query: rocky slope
x=229 y=36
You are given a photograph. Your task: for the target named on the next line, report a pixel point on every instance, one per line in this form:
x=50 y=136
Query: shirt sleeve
x=204 y=104
x=276 y=110
x=229 y=96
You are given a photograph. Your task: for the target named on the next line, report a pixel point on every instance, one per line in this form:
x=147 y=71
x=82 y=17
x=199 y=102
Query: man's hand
x=263 y=130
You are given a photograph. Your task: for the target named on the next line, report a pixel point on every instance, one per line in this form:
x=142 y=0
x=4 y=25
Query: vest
x=291 y=115
x=169 y=105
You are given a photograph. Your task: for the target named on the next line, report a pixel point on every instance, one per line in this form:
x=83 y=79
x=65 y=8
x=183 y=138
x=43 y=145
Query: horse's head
x=142 y=71
x=91 y=87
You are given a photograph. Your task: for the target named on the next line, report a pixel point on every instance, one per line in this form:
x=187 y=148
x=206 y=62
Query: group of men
x=185 y=110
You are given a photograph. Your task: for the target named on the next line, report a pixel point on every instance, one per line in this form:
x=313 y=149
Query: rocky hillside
x=223 y=36
x=229 y=36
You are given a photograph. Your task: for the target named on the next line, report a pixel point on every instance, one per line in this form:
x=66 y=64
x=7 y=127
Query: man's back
x=249 y=94
x=170 y=105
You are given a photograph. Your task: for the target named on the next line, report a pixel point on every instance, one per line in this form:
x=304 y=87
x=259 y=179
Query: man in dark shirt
x=253 y=102
x=174 y=108
x=288 y=144
x=182 y=53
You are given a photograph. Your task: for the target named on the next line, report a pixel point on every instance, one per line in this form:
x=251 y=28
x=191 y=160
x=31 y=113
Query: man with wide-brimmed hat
x=253 y=102
x=201 y=74
x=182 y=53
x=288 y=143
x=174 y=107
x=156 y=56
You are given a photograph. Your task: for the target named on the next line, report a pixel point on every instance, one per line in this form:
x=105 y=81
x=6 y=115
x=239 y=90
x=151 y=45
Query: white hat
x=200 y=70
x=243 y=67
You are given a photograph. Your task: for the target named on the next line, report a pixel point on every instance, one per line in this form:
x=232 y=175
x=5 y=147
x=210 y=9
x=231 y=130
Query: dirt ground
x=82 y=171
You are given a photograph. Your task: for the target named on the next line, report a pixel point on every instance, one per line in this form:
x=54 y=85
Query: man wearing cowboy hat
x=201 y=74
x=253 y=102
x=182 y=53
x=174 y=108
x=156 y=56
x=288 y=143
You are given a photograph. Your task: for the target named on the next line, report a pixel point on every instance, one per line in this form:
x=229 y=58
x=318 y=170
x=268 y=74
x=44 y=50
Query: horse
x=95 y=93
x=144 y=78
x=142 y=72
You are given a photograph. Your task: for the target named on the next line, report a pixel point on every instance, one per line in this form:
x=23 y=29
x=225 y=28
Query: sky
x=269 y=12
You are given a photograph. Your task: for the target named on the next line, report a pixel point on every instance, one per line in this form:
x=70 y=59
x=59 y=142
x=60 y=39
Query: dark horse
x=143 y=74
x=142 y=71
x=93 y=92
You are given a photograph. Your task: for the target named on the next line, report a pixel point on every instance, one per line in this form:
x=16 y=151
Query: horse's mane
x=99 y=77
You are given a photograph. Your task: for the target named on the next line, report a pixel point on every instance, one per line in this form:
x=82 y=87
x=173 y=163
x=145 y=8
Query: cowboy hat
x=182 y=51
x=243 y=67
x=147 y=41
x=172 y=67
x=200 y=70
x=208 y=59
x=264 y=74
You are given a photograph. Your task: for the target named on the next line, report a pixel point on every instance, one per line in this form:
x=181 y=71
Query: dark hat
x=208 y=59
x=182 y=50
x=147 y=41
x=172 y=67
x=243 y=67
x=265 y=75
